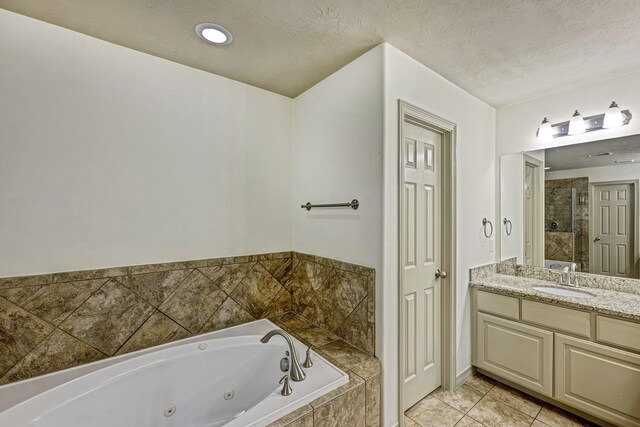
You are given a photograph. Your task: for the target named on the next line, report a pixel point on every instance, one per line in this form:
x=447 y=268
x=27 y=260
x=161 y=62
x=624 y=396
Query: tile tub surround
x=56 y=321
x=356 y=403
x=605 y=301
x=337 y=296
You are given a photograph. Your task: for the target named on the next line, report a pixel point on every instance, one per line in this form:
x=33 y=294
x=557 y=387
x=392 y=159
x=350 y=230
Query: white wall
x=337 y=156
x=599 y=174
x=517 y=124
x=112 y=157
x=412 y=82
x=512 y=205
x=511 y=192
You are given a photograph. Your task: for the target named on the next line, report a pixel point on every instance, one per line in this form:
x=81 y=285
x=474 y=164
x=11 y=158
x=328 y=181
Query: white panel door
x=529 y=212
x=420 y=247
x=613 y=218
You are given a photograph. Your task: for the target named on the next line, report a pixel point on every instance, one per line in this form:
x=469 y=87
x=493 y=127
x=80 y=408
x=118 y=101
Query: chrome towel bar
x=354 y=204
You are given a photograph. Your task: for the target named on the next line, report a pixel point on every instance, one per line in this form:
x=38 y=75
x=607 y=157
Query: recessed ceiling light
x=214 y=34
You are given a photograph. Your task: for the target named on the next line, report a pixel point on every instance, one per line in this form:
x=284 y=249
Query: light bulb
x=613 y=117
x=576 y=124
x=214 y=34
x=544 y=131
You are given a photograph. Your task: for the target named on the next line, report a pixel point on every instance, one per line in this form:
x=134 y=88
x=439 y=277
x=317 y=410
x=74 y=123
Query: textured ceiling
x=502 y=51
x=577 y=156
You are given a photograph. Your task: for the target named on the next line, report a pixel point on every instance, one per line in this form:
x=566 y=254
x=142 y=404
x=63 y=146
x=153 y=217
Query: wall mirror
x=573 y=204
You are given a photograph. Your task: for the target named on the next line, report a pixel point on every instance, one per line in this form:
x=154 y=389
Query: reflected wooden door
x=420 y=254
x=613 y=218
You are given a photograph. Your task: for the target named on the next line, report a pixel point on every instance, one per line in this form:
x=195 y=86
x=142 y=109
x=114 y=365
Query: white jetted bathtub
x=226 y=378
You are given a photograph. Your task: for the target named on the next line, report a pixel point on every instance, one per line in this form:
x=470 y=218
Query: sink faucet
x=297 y=374
x=570 y=278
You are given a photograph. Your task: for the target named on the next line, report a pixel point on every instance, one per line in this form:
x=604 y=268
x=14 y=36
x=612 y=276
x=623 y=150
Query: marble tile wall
x=558 y=245
x=51 y=322
x=567 y=205
x=337 y=296
x=55 y=321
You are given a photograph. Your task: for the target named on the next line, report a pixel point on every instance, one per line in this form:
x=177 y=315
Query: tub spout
x=296 y=372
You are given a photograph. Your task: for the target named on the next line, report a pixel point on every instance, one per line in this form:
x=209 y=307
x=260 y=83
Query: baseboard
x=465 y=375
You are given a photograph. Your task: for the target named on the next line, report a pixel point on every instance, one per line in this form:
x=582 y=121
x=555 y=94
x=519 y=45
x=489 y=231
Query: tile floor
x=481 y=401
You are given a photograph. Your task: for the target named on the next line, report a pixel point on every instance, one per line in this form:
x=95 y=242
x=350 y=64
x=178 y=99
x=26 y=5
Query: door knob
x=441 y=274
x=597 y=239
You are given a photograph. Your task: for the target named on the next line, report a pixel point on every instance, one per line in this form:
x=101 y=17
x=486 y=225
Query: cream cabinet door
x=598 y=380
x=516 y=352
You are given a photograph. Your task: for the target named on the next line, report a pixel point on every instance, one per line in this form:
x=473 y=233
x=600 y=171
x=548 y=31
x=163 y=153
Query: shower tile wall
x=567 y=205
x=55 y=321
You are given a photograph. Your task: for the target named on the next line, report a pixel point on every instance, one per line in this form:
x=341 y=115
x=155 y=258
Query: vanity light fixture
x=545 y=133
x=576 y=124
x=214 y=34
x=614 y=117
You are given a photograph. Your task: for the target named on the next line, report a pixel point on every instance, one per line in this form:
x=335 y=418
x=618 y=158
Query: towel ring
x=485 y=221
x=508 y=226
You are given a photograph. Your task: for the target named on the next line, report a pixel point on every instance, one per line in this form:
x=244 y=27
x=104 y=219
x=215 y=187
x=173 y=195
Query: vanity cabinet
x=520 y=353
x=581 y=359
x=598 y=380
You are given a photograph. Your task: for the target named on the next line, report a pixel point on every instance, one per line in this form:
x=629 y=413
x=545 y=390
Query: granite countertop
x=613 y=303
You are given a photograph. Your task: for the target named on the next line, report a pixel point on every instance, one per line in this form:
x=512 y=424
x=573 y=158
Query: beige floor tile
x=537 y=423
x=524 y=403
x=480 y=383
x=433 y=412
x=556 y=417
x=462 y=399
x=467 y=421
x=493 y=413
x=408 y=422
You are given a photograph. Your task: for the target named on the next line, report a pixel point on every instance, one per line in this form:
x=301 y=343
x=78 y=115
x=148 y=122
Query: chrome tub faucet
x=296 y=373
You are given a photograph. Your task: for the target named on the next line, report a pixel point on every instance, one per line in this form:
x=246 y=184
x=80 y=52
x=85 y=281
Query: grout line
x=78 y=307
x=155 y=310
x=170 y=293
x=28 y=352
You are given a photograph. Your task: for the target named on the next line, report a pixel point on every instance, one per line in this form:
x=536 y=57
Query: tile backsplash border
x=589 y=280
x=60 y=320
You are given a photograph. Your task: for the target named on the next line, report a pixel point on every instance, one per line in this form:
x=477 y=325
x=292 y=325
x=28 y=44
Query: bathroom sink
x=560 y=292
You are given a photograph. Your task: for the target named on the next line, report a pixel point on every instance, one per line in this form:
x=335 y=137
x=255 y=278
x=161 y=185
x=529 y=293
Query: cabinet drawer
x=598 y=380
x=562 y=319
x=618 y=332
x=498 y=304
x=519 y=353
